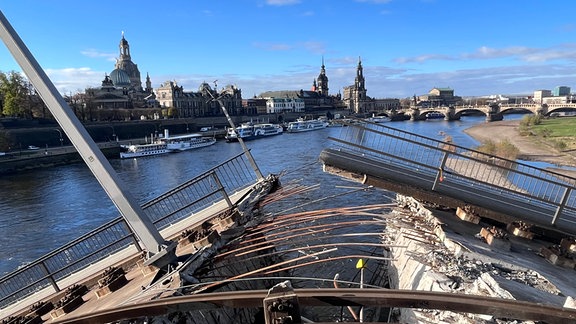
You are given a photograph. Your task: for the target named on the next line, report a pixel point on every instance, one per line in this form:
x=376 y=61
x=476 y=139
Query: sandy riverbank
x=530 y=148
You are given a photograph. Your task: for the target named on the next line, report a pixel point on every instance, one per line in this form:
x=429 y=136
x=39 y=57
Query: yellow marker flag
x=360 y=264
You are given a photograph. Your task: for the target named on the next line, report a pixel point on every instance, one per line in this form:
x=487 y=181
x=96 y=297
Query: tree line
x=19 y=98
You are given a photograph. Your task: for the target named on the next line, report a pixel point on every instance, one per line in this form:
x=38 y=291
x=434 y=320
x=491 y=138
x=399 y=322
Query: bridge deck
x=447 y=171
x=127 y=257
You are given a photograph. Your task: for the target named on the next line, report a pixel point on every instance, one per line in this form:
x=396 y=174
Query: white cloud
x=92 y=53
x=75 y=79
x=374 y=1
x=282 y=2
x=521 y=53
x=272 y=46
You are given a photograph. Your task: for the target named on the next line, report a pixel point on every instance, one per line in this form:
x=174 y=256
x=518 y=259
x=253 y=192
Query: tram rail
x=497 y=307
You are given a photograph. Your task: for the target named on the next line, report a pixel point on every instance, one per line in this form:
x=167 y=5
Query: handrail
x=230 y=176
x=546 y=196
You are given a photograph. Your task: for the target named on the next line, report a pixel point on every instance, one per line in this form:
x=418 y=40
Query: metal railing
x=193 y=196
x=533 y=194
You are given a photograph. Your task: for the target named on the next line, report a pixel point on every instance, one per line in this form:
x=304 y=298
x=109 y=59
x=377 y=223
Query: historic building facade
x=315 y=99
x=280 y=105
x=438 y=97
x=200 y=103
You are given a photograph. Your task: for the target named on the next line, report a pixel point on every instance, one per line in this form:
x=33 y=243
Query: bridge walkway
x=455 y=176
x=193 y=202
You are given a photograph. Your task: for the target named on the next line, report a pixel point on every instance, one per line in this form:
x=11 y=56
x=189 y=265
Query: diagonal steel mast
x=160 y=252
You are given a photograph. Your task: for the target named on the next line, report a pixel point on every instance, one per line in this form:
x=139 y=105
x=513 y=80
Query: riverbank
x=531 y=148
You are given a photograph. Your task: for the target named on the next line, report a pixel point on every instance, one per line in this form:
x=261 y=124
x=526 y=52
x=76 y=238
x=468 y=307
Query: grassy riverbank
x=538 y=145
x=559 y=133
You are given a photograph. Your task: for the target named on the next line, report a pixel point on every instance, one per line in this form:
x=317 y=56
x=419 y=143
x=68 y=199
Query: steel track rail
x=500 y=308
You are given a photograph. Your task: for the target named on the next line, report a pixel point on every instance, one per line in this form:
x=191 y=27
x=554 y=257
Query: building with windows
x=438 y=97
x=280 y=105
x=315 y=99
x=561 y=91
x=199 y=103
x=540 y=94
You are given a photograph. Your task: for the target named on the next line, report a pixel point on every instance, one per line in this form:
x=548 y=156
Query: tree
x=4 y=141
x=15 y=90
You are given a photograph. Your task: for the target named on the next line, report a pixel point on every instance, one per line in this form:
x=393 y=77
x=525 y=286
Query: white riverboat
x=306 y=125
x=249 y=131
x=185 y=142
x=139 y=150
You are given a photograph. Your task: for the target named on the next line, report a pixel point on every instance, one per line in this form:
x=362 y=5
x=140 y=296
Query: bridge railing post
x=439 y=174
x=222 y=189
x=565 y=196
x=49 y=276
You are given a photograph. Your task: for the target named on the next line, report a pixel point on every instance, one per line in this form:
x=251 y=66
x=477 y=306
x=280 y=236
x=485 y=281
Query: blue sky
x=407 y=47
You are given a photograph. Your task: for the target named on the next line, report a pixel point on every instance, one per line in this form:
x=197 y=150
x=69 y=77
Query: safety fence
x=532 y=194
x=191 y=197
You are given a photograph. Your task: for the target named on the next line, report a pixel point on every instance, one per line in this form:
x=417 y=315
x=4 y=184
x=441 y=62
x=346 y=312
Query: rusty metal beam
x=499 y=308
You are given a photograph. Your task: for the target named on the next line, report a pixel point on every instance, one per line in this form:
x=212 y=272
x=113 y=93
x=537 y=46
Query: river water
x=43 y=209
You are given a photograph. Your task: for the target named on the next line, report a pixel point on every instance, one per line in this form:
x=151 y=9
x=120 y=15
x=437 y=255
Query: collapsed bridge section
x=453 y=176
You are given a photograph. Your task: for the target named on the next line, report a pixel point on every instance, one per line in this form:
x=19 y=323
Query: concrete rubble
x=445 y=254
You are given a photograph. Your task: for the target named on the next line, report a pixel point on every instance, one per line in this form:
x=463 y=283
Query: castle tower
x=124 y=62
x=322 y=85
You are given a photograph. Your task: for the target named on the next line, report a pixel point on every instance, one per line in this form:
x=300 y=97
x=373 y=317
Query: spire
x=124 y=48
x=322 y=85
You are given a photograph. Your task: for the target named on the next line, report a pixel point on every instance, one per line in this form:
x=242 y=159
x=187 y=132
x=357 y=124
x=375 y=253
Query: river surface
x=43 y=209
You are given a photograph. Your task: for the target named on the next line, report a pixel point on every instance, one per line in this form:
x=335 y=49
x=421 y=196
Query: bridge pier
x=542 y=110
x=490 y=117
x=415 y=114
x=450 y=114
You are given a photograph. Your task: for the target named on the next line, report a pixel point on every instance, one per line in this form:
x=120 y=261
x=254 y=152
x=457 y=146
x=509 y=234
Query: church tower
x=148 y=84
x=322 y=85
x=359 y=89
x=124 y=62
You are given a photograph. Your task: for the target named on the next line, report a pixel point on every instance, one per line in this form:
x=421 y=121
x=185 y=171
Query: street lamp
x=113 y=134
x=61 y=139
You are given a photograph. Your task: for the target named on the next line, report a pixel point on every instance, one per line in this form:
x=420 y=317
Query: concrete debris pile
x=444 y=265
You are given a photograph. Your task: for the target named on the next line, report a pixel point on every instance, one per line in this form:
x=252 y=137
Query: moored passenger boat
x=435 y=115
x=306 y=125
x=185 y=142
x=379 y=119
x=251 y=131
x=139 y=150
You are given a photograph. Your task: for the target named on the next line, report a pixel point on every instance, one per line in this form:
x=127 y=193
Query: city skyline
x=407 y=47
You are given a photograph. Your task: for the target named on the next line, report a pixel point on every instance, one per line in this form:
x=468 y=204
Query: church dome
x=204 y=87
x=120 y=78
